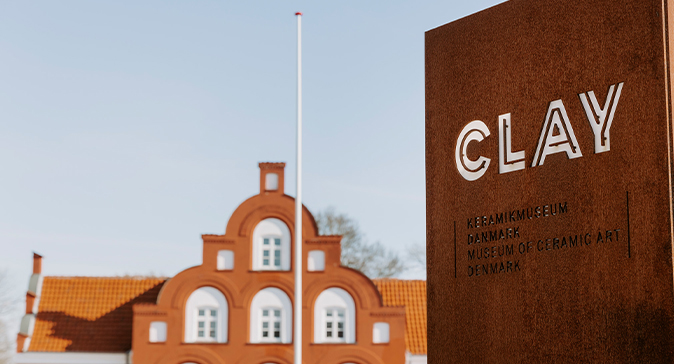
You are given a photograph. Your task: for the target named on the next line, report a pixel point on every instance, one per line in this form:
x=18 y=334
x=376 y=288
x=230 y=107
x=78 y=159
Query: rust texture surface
x=566 y=257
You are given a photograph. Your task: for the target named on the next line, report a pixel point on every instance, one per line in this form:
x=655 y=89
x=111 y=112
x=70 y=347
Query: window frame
x=334 y=319
x=208 y=321
x=271 y=298
x=275 y=252
x=206 y=298
x=271 y=228
x=270 y=319
x=329 y=299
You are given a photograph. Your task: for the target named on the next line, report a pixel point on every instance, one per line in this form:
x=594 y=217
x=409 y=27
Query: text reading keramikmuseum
x=494 y=249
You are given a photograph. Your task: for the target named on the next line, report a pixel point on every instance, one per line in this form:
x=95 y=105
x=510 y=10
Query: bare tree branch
x=372 y=259
x=416 y=254
x=6 y=345
x=8 y=308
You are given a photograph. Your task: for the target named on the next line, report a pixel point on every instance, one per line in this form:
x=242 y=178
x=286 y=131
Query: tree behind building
x=372 y=259
x=8 y=310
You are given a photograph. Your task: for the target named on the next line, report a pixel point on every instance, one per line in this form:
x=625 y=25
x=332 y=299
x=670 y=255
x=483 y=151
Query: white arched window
x=206 y=315
x=334 y=317
x=271 y=245
x=271 y=317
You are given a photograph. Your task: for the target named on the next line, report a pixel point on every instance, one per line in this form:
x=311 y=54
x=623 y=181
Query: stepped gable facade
x=236 y=307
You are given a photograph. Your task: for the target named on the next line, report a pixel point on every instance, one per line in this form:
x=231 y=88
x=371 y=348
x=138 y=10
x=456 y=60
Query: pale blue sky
x=130 y=128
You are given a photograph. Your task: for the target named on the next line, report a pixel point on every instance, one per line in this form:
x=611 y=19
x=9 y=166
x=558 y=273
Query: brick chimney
x=37 y=263
x=271 y=178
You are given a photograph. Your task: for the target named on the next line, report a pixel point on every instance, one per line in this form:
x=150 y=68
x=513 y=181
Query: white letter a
x=557 y=135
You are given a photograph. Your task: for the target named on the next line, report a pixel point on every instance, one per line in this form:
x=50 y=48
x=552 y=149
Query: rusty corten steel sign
x=548 y=158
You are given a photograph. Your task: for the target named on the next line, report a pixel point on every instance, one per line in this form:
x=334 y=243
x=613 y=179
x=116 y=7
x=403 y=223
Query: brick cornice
x=327 y=239
x=207 y=238
x=272 y=165
x=387 y=314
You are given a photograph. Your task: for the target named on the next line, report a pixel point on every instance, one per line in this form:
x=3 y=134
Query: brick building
x=236 y=307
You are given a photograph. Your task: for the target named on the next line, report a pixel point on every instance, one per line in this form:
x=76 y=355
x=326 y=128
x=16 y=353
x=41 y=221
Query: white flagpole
x=297 y=342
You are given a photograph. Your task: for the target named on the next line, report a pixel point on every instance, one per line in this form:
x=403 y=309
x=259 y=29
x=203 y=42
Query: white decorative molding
x=28 y=320
x=211 y=298
x=27 y=324
x=35 y=284
x=35 y=287
x=335 y=298
x=26 y=344
x=70 y=358
x=271 y=298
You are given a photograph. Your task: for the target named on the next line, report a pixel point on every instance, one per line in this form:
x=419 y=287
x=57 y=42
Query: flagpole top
x=298 y=13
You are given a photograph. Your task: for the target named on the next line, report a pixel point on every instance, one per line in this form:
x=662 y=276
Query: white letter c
x=471 y=170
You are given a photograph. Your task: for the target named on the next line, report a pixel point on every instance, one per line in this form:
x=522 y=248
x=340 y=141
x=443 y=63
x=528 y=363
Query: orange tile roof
x=412 y=295
x=89 y=313
x=95 y=314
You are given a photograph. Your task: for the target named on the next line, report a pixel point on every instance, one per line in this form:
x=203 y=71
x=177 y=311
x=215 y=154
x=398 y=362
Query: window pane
x=201 y=324
x=266 y=241
x=213 y=324
x=201 y=333
x=214 y=313
x=277 y=241
x=340 y=313
x=265 y=325
x=265 y=313
x=329 y=313
x=277 y=313
x=277 y=262
x=277 y=253
x=329 y=325
x=340 y=325
x=277 y=334
x=340 y=334
x=329 y=334
x=265 y=253
x=201 y=312
x=265 y=334
x=212 y=333
x=265 y=262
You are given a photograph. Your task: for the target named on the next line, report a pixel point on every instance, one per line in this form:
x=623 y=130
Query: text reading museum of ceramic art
x=496 y=249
